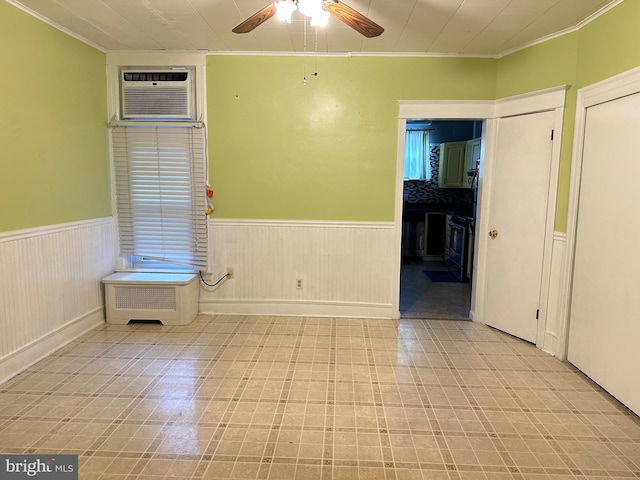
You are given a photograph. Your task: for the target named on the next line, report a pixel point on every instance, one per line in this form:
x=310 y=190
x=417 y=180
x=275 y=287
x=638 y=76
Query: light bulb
x=309 y=8
x=284 y=10
x=320 y=18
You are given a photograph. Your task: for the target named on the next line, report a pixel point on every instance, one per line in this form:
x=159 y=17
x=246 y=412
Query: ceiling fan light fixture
x=284 y=10
x=320 y=18
x=318 y=11
x=310 y=8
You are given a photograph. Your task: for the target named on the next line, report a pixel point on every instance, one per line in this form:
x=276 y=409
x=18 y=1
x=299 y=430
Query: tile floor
x=232 y=397
x=422 y=298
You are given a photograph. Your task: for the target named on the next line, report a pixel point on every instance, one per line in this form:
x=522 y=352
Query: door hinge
x=552 y=133
x=538 y=314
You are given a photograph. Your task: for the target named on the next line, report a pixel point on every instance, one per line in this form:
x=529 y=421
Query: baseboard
x=296 y=308
x=14 y=363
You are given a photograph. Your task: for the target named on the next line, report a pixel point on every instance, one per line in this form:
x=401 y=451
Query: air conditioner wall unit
x=157 y=94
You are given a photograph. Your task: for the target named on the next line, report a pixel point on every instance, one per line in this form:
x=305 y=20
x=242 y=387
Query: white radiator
x=171 y=298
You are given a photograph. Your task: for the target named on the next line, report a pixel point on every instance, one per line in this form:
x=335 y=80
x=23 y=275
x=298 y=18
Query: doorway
x=438 y=219
x=491 y=113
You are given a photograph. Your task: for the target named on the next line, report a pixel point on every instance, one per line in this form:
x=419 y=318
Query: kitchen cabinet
x=413 y=229
x=423 y=235
x=456 y=158
x=451 y=168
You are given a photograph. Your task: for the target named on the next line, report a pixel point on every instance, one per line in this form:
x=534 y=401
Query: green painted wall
x=545 y=65
x=603 y=48
x=541 y=66
x=610 y=44
x=54 y=161
x=326 y=150
x=278 y=149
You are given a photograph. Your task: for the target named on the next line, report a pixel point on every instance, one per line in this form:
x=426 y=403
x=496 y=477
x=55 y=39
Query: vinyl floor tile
x=259 y=398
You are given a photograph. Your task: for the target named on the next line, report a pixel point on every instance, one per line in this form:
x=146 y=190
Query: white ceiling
x=469 y=27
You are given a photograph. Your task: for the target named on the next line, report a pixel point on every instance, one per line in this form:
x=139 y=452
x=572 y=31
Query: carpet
x=440 y=276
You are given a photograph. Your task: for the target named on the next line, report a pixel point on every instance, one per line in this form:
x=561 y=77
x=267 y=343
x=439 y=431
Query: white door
x=518 y=219
x=604 y=329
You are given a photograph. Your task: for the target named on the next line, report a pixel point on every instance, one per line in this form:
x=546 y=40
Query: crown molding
x=566 y=31
x=55 y=25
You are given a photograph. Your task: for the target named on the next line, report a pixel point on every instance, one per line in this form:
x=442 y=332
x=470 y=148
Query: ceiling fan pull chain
x=316 y=69
x=304 y=52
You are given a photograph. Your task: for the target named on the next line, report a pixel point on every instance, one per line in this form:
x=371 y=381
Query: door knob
x=493 y=233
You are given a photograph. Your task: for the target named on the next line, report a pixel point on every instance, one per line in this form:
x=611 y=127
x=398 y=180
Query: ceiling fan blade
x=256 y=19
x=354 y=19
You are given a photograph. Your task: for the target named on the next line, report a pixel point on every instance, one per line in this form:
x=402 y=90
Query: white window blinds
x=160 y=192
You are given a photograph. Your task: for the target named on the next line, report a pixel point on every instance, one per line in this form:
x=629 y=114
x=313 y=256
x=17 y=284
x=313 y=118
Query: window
x=416 y=155
x=160 y=193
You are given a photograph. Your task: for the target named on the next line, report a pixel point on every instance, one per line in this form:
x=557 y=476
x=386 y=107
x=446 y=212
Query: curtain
x=416 y=155
x=160 y=193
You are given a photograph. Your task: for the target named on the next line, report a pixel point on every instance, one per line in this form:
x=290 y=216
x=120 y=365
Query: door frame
x=490 y=111
x=618 y=86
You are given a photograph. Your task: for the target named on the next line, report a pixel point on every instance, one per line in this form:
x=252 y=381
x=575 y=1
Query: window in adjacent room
x=416 y=155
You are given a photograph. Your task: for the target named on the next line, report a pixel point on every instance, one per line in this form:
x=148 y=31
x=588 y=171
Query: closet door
x=604 y=331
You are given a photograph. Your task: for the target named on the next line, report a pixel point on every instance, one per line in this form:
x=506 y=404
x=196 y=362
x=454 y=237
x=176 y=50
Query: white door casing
x=491 y=111
x=433 y=109
x=603 y=228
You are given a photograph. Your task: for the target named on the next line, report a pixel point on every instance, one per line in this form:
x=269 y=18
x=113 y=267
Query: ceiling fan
x=319 y=12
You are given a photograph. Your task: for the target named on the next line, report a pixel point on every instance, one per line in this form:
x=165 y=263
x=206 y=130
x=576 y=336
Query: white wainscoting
x=346 y=268
x=50 y=289
x=555 y=298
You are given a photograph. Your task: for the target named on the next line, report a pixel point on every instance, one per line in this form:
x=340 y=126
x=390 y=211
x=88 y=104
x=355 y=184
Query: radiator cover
x=166 y=297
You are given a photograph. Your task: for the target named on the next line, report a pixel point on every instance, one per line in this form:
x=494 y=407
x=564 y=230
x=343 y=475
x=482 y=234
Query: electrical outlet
x=299 y=284
x=230 y=273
